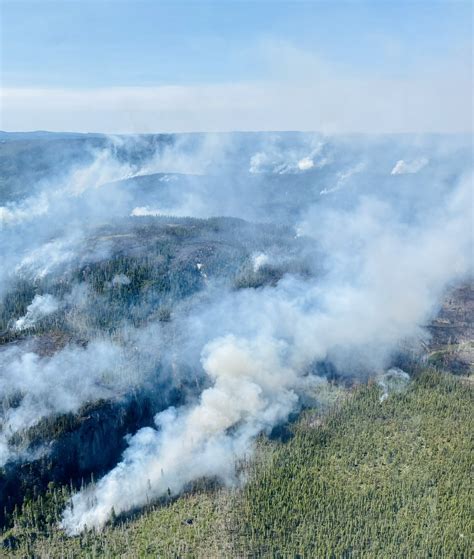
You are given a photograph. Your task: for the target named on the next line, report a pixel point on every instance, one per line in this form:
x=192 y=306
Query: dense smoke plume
x=371 y=300
x=42 y=305
x=370 y=262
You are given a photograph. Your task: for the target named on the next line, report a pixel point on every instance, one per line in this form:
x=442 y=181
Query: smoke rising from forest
x=366 y=267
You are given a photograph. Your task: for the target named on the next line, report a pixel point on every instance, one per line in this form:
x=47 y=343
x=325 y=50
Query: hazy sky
x=150 y=66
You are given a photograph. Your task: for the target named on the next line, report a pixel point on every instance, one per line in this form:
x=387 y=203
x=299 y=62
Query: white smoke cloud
x=281 y=160
x=59 y=384
x=190 y=204
x=251 y=392
x=42 y=305
x=189 y=155
x=384 y=283
x=55 y=198
x=17 y=213
x=49 y=257
x=141 y=211
x=383 y=272
x=44 y=232
x=305 y=164
x=409 y=167
x=393 y=381
x=259 y=260
x=120 y=279
x=343 y=176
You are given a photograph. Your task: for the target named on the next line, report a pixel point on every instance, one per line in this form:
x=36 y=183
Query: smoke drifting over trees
x=229 y=267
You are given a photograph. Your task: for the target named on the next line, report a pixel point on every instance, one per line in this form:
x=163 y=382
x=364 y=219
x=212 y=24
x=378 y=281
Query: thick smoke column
x=252 y=391
x=42 y=305
x=384 y=280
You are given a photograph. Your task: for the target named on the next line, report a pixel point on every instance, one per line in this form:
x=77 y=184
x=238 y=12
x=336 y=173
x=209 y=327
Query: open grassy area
x=368 y=479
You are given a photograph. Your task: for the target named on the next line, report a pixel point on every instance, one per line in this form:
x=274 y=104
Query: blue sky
x=85 y=49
